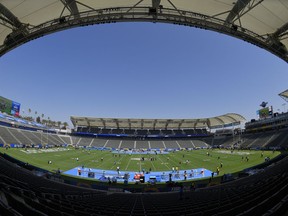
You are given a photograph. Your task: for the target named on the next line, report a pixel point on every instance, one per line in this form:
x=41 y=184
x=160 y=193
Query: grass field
x=66 y=159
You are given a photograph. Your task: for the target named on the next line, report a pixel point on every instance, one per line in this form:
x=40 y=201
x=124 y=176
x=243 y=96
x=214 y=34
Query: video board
x=265 y=112
x=10 y=107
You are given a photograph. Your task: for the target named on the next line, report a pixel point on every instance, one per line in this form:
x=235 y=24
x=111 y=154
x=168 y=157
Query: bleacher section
x=106 y=131
x=85 y=141
x=7 y=136
x=32 y=136
x=113 y=144
x=269 y=139
x=143 y=132
x=129 y=132
x=98 y=142
x=178 y=132
x=281 y=141
x=75 y=140
x=129 y=144
x=167 y=132
x=223 y=141
x=264 y=193
x=142 y=144
x=154 y=132
x=157 y=144
x=27 y=137
x=172 y=144
x=185 y=144
x=199 y=144
x=65 y=138
x=117 y=131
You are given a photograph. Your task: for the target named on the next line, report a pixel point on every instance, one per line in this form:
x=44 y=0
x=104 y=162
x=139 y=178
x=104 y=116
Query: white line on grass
x=118 y=161
x=102 y=163
x=173 y=161
x=153 y=165
x=164 y=163
x=128 y=163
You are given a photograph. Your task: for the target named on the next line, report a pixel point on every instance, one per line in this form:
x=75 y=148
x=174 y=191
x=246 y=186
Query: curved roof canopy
x=226 y=120
x=261 y=22
x=284 y=95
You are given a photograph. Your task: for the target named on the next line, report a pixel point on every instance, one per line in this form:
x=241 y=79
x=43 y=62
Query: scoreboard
x=265 y=112
x=10 y=107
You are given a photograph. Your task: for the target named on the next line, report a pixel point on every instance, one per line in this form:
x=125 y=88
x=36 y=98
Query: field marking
x=99 y=159
x=174 y=162
x=153 y=165
x=39 y=151
x=234 y=152
x=117 y=162
x=136 y=159
x=163 y=162
x=127 y=164
x=93 y=159
x=104 y=161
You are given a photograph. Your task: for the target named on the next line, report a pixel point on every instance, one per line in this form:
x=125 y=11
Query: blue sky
x=142 y=70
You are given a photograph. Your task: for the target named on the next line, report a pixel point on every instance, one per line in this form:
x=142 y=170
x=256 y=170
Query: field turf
x=66 y=159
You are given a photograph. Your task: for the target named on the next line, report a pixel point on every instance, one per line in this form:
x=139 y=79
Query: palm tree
x=65 y=124
x=59 y=123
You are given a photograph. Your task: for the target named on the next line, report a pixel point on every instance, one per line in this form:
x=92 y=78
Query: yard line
x=174 y=162
x=153 y=165
x=128 y=163
x=118 y=161
x=164 y=163
x=93 y=158
x=104 y=162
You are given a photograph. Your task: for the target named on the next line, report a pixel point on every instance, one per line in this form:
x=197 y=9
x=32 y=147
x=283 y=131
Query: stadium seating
x=23 y=193
x=259 y=140
x=113 y=143
x=171 y=144
x=129 y=144
x=28 y=137
x=130 y=131
x=142 y=144
x=157 y=144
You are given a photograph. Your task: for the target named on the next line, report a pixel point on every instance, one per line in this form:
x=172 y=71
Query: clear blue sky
x=142 y=70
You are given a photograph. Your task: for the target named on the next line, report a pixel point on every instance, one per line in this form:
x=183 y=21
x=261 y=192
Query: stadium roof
x=226 y=120
x=260 y=22
x=284 y=95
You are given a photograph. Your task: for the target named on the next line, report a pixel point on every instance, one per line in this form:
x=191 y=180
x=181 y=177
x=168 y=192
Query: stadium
x=141 y=166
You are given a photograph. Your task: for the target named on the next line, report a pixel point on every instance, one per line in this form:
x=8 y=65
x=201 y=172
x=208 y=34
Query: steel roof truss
x=10 y=17
x=71 y=6
x=134 y=5
x=239 y=10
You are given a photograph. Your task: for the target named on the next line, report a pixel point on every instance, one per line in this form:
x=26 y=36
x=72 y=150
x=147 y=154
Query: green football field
x=66 y=159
